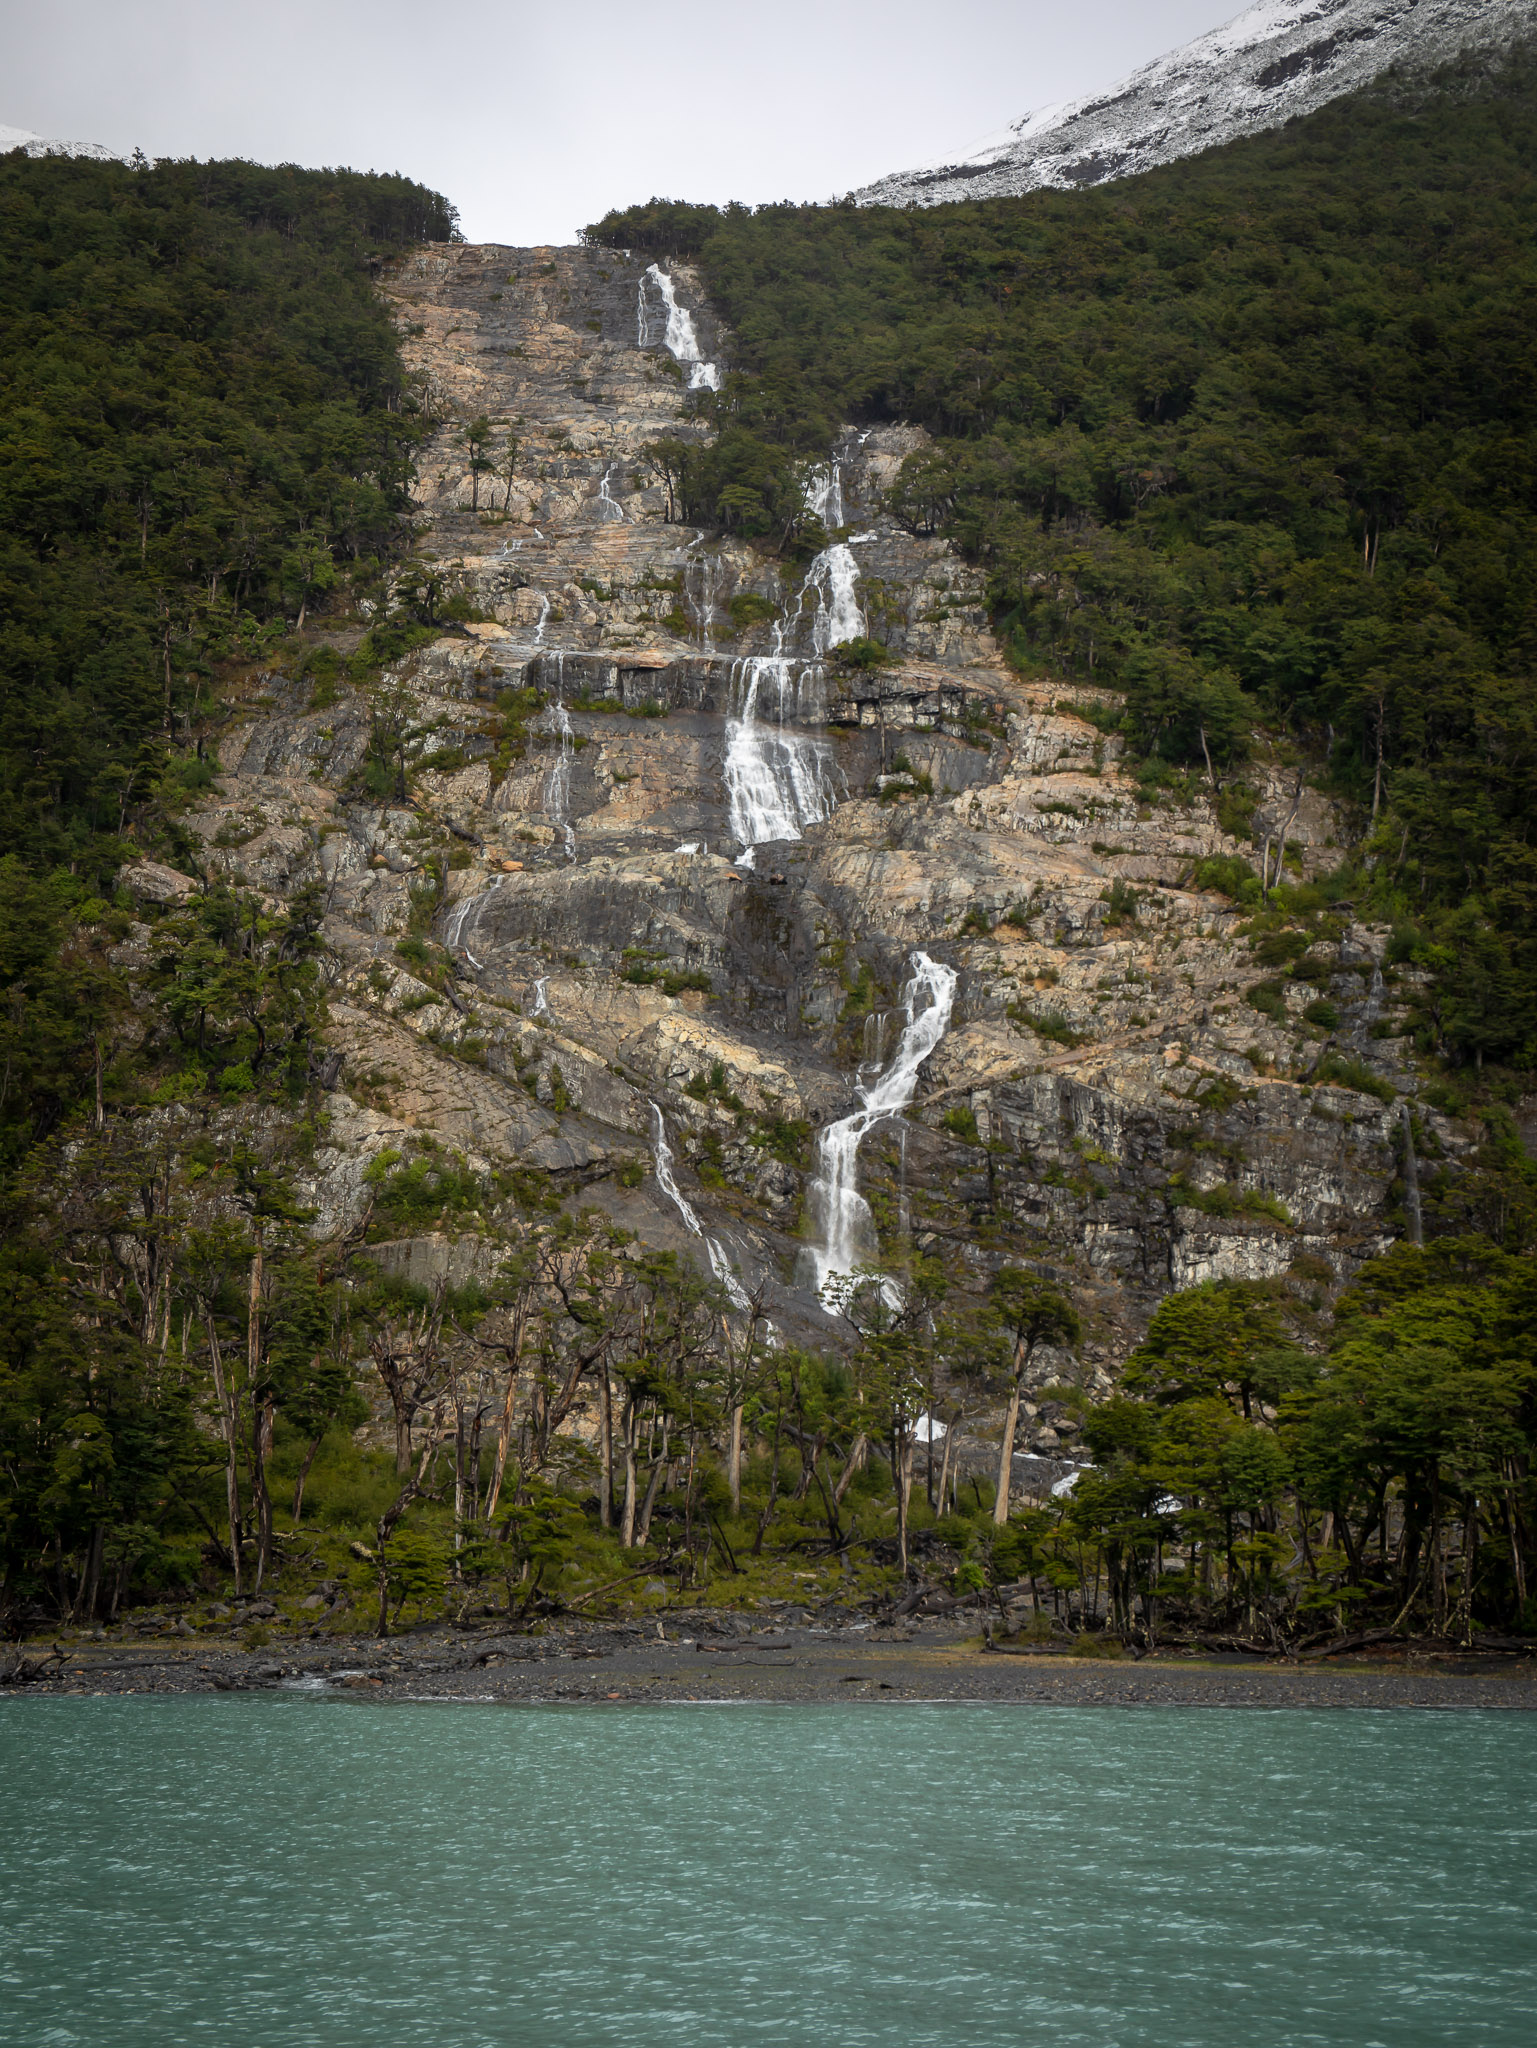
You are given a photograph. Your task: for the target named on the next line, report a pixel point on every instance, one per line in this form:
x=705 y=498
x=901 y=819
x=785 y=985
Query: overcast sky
x=535 y=119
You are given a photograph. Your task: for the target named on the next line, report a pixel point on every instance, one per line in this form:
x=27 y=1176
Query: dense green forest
x=202 y=415
x=1252 y=437
x=203 y=423
x=204 y=426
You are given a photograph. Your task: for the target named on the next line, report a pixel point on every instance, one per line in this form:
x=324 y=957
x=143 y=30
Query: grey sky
x=537 y=118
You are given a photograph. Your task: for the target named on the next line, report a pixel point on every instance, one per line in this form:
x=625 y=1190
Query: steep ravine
x=597 y=857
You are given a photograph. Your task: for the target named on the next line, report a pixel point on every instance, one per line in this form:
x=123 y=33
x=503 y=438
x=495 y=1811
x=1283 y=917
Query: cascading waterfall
x=612 y=509
x=845 y=1228
x=678 y=335
x=720 y=1265
x=467 y=915
x=557 y=784
x=830 y=584
x=544 y=619
x=824 y=494
x=541 y=1000
x=778 y=781
x=709 y=575
x=872 y=1051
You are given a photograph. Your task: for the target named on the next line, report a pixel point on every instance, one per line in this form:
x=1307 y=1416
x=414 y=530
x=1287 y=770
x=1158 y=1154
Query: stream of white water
x=720 y=1265
x=541 y=999
x=612 y=509
x=678 y=335
x=557 y=784
x=830 y=584
x=464 y=917
x=845 y=1228
x=778 y=780
x=824 y=494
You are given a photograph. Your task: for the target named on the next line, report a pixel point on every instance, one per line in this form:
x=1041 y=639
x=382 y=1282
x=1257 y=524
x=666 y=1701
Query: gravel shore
x=707 y=1657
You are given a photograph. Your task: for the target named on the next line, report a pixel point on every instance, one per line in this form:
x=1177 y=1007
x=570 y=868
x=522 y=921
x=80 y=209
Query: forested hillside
x=1250 y=437
x=201 y=412
x=203 y=422
x=204 y=426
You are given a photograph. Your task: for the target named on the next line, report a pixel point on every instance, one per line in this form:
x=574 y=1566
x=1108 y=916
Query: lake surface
x=316 y=1873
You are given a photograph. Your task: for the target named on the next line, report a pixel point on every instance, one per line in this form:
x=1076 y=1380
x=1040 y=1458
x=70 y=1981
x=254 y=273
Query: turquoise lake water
x=315 y=1873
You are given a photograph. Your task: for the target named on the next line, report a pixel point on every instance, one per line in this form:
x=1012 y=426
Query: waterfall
x=544 y=619
x=704 y=606
x=541 y=1001
x=824 y=494
x=830 y=581
x=557 y=784
x=678 y=336
x=465 y=914
x=777 y=781
x=612 y=509
x=720 y=1265
x=845 y=1227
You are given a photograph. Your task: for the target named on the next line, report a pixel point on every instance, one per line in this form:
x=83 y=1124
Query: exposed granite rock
x=1107 y=1101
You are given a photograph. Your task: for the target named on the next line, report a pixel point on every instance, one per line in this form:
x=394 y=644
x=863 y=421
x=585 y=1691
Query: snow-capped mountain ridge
x=44 y=145
x=1278 y=59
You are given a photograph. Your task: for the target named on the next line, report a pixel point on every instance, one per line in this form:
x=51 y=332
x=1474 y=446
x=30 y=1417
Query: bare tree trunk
x=503 y=1439
x=231 y=1468
x=855 y=1464
x=904 y=1477
x=261 y=1421
x=90 y=1578
x=944 y=1467
x=461 y=1450
x=654 y=1487
x=606 y=1447
x=808 y=1466
x=1006 y=1458
x=734 y=1459
x=627 y=1523
x=773 y=1498
x=416 y=1484
x=304 y=1473
x=1291 y=819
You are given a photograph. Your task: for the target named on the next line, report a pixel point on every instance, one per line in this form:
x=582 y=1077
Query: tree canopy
x=202 y=409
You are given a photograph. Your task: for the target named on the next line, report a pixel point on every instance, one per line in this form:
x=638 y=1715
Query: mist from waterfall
x=678 y=335
x=845 y=1228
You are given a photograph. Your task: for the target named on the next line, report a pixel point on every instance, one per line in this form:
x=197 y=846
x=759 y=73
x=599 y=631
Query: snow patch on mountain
x=43 y=145
x=1269 y=64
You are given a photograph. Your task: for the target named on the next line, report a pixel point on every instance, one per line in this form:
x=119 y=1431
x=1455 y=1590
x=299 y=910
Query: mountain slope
x=1278 y=59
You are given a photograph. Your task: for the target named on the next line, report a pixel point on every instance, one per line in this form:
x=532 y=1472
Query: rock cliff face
x=697 y=879
x=1273 y=62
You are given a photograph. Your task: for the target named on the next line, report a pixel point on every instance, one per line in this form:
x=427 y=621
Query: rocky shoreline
x=704 y=1657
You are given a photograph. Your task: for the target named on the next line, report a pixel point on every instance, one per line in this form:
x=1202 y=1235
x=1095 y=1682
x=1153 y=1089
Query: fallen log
x=1357 y=1642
